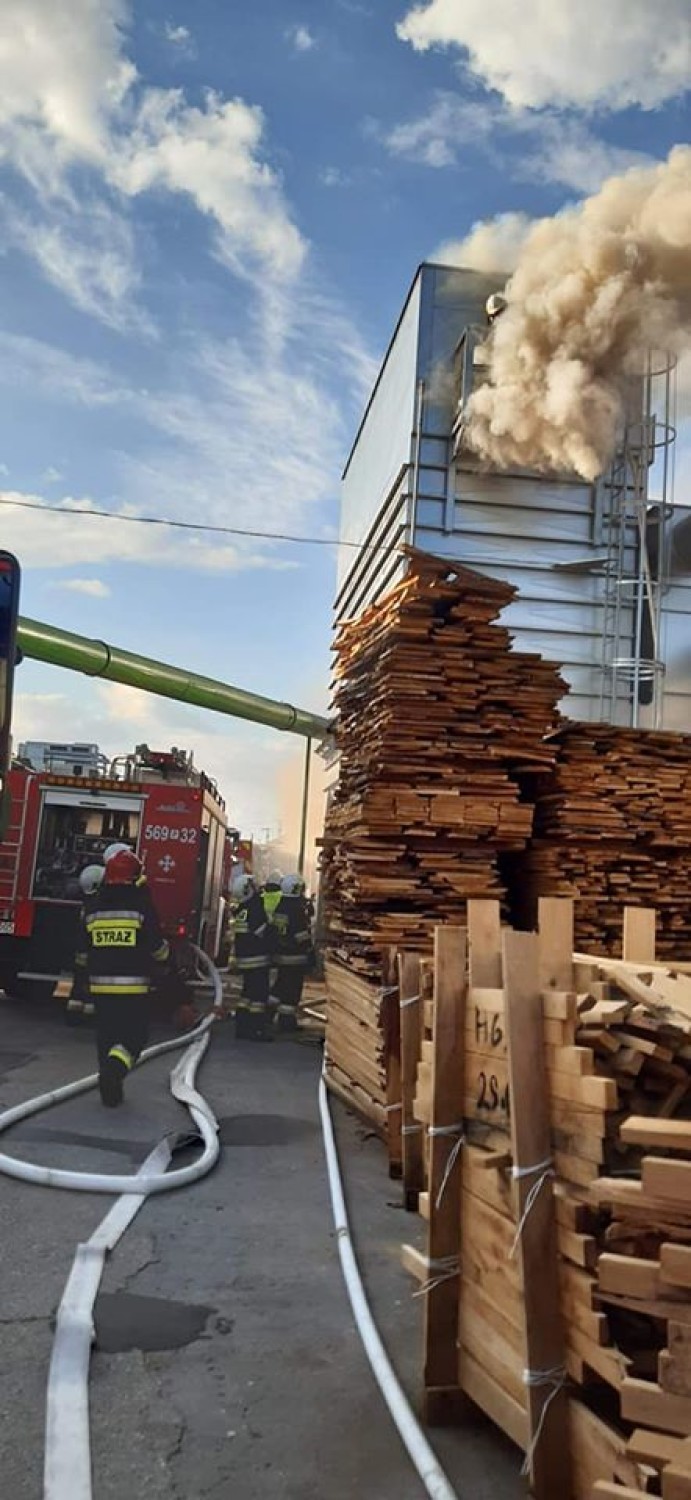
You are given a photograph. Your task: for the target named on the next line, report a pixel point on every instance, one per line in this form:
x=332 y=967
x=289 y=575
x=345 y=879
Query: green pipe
x=80 y=654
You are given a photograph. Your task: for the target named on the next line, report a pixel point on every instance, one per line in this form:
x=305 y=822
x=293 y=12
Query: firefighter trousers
x=122 y=1022
x=288 y=985
x=255 y=989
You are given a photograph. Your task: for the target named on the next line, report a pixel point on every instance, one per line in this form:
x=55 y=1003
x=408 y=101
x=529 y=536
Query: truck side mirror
x=9 y=610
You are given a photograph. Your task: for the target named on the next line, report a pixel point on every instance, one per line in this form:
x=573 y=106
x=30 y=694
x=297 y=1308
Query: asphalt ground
x=226 y=1359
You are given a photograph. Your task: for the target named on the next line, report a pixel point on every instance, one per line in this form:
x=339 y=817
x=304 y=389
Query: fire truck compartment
x=76 y=826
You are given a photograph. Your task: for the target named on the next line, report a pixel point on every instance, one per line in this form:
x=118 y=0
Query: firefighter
x=80 y=1005
x=291 y=921
x=122 y=948
x=253 y=944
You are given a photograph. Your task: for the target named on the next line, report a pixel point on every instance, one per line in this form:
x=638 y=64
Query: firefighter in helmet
x=80 y=1005
x=294 y=954
x=253 y=941
x=122 y=950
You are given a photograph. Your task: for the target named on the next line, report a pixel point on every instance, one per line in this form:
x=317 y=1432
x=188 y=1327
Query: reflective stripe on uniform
x=291 y=960
x=120 y=1054
x=287 y=1010
x=109 y=989
x=119 y=984
x=256 y=1008
x=80 y=960
x=161 y=952
x=75 y=1005
x=115 y=917
x=260 y=962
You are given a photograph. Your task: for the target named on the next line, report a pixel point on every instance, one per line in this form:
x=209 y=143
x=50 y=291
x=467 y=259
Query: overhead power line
x=267 y=536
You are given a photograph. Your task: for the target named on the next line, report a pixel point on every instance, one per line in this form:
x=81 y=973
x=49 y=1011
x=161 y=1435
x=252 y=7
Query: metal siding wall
x=384 y=441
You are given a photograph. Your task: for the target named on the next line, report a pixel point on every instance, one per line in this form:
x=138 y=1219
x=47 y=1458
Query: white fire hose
x=67 y=1467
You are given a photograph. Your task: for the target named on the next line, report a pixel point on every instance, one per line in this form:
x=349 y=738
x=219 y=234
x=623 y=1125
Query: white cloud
x=553 y=148
x=213 y=155
x=93 y=588
x=70 y=100
x=47 y=539
x=88 y=254
x=178 y=36
x=51 y=475
x=300 y=38
x=592 y=55
x=56 y=374
x=334 y=177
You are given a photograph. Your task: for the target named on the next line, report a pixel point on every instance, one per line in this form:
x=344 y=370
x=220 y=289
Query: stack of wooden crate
x=612 y=826
x=546 y=1139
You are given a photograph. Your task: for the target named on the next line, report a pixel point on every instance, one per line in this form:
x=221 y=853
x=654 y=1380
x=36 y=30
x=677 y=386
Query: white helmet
x=274 y=878
x=91 y=879
x=113 y=849
x=243 y=887
x=293 y=885
x=495 y=305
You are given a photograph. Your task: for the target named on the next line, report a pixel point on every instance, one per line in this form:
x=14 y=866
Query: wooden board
x=644 y=1402
x=537 y=1246
x=412 y=1136
x=639 y=934
x=441 y=1301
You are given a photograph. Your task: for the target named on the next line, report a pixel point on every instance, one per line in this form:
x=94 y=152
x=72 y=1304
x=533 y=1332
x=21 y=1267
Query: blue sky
x=209 y=217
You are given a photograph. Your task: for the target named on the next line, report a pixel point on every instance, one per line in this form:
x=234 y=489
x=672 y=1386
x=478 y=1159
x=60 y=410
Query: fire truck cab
x=68 y=803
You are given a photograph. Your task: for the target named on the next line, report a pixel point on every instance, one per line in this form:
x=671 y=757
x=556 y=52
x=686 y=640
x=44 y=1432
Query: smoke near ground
x=594 y=289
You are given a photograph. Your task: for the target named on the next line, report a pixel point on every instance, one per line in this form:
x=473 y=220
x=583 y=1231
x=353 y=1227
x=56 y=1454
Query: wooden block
x=667 y=1179
x=555 y=943
x=495 y=1402
x=537 y=1246
x=423 y=1205
x=676 y=1483
x=581 y=1249
x=600 y=1093
x=609 y=1364
x=673 y=1375
x=559 y=1005
x=642 y=1130
x=484 y=944
x=578 y=1061
x=415 y=1262
x=646 y=1403
x=606 y=1489
x=675 y=1264
x=628 y=1276
x=654 y=1448
x=639 y=934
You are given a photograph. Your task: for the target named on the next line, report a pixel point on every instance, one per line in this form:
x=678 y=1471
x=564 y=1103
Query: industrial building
x=603 y=570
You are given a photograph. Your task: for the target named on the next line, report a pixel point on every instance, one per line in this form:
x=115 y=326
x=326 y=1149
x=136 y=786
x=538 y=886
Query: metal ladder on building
x=634 y=527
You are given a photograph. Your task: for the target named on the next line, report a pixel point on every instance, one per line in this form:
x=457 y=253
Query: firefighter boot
x=244 y=1024
x=286 y=1020
x=112 y=1075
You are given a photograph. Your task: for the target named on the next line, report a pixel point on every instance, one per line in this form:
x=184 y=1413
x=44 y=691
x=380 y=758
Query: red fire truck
x=67 y=804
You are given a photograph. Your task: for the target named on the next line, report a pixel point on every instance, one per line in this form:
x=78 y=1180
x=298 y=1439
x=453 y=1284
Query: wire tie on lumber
x=546 y=1170
x=444 y=1269
x=411 y=1000
x=390 y=1109
x=388 y=989
x=440 y=1130
x=411 y=1129
x=556 y=1378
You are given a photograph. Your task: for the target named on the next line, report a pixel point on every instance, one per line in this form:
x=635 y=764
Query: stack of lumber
x=616 y=1043
x=436 y=716
x=434 y=712
x=613 y=827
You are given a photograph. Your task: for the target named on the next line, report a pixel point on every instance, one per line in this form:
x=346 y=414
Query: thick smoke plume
x=594 y=290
